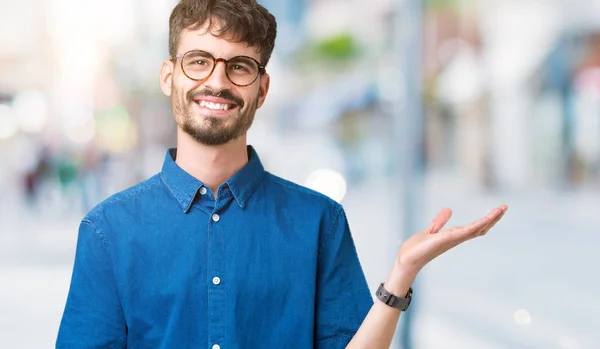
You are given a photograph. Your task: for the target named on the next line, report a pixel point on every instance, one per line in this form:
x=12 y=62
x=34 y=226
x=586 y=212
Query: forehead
x=219 y=46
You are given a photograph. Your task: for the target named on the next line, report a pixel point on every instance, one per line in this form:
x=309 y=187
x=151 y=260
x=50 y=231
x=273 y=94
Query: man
x=215 y=252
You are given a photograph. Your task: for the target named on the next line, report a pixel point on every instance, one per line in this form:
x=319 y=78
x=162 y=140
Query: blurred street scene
x=507 y=110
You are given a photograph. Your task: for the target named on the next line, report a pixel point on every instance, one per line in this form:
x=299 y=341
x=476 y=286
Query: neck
x=212 y=165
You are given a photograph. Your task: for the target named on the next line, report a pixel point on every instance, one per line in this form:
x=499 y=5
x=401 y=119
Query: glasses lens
x=242 y=70
x=198 y=64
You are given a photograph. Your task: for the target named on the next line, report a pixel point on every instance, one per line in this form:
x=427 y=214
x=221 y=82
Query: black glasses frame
x=261 y=68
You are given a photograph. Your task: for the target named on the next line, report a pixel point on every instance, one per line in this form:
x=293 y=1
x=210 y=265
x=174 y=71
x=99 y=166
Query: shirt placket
x=217 y=273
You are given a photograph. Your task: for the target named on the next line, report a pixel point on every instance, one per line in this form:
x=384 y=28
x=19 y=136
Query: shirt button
x=216 y=280
x=216 y=217
x=203 y=191
x=216 y=346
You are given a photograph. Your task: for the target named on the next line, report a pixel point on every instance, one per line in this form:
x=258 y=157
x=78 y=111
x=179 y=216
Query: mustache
x=225 y=94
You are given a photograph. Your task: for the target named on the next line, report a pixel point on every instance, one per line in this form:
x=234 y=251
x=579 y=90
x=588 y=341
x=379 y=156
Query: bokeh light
x=115 y=129
x=522 y=317
x=328 y=182
x=8 y=122
x=80 y=131
x=31 y=111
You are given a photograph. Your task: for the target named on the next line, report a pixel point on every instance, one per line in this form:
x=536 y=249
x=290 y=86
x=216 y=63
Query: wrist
x=399 y=281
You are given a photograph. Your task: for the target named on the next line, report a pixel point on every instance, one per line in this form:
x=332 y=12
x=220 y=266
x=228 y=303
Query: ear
x=265 y=82
x=166 y=76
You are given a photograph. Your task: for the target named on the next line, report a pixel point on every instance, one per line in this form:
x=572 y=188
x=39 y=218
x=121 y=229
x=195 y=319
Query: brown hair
x=241 y=20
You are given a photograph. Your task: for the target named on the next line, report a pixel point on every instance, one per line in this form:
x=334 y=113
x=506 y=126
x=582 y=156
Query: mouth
x=218 y=107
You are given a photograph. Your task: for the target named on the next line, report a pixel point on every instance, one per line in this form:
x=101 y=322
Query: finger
x=480 y=223
x=495 y=212
x=482 y=231
x=439 y=221
x=457 y=235
x=472 y=229
x=493 y=223
x=504 y=208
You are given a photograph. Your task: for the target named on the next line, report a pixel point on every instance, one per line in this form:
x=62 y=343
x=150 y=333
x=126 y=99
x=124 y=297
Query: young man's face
x=213 y=111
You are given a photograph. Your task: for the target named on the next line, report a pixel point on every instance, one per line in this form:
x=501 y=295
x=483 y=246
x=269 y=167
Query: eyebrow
x=229 y=58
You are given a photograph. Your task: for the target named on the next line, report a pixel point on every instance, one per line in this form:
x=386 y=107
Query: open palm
x=428 y=244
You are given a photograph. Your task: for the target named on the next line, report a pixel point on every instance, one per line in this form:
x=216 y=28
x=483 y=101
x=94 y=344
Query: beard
x=212 y=130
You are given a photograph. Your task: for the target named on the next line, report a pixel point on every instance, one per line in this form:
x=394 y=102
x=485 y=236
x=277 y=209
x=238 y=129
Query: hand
x=428 y=244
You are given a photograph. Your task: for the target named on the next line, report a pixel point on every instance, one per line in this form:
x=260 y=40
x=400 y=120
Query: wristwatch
x=394 y=301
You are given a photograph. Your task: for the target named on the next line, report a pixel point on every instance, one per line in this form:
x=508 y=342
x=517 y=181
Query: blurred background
x=395 y=108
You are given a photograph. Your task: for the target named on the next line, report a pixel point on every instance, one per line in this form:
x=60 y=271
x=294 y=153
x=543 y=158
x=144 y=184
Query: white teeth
x=214 y=106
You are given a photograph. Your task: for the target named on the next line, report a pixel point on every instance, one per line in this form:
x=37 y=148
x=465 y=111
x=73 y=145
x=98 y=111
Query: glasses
x=240 y=70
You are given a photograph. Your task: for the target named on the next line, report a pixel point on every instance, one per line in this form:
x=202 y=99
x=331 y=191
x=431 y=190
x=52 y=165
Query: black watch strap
x=392 y=300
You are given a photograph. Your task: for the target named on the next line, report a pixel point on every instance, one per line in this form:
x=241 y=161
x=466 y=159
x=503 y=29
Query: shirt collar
x=184 y=186
x=245 y=181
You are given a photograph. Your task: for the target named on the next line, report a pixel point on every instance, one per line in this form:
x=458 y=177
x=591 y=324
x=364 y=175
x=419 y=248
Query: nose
x=218 y=80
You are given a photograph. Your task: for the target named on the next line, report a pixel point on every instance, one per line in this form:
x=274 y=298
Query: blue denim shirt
x=164 y=264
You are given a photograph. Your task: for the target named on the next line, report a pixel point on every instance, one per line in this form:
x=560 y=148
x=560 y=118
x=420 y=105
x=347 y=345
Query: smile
x=215 y=106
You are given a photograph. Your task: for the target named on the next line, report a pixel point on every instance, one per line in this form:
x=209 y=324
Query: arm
x=377 y=329
x=93 y=317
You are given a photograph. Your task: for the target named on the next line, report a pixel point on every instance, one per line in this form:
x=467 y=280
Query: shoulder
x=124 y=199
x=294 y=193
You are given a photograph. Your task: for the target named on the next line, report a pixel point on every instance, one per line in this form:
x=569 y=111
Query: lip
x=214 y=100
x=232 y=105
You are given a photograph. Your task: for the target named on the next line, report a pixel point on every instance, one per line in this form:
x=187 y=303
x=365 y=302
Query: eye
x=238 y=67
x=200 y=62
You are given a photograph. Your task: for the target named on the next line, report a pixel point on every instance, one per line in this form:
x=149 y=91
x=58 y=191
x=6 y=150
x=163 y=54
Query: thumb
x=439 y=221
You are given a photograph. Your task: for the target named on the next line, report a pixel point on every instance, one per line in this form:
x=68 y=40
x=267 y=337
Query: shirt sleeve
x=93 y=317
x=343 y=297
